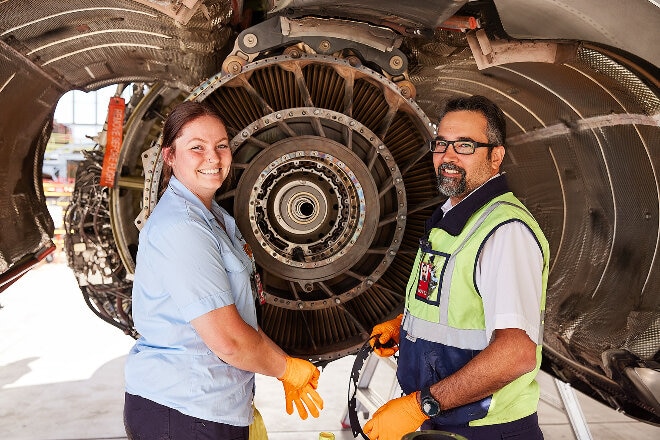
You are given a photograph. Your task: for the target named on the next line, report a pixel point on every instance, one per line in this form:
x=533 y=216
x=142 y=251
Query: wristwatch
x=429 y=405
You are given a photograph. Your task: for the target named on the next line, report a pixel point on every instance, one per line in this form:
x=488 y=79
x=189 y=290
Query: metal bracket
x=375 y=44
x=488 y=53
x=180 y=10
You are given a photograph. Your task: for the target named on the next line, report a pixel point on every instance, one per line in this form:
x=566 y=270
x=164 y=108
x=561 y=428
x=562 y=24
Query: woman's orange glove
x=300 y=380
x=299 y=372
x=395 y=419
x=305 y=399
x=384 y=333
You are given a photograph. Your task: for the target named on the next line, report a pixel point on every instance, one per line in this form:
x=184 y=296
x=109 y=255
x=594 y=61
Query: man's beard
x=451 y=187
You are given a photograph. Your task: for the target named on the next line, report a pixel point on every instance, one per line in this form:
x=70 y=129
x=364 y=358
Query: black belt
x=361 y=356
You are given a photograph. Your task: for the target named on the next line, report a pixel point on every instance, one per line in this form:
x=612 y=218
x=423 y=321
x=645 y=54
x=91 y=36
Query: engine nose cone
x=310 y=212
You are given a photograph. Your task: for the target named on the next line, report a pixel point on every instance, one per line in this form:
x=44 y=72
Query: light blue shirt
x=186 y=267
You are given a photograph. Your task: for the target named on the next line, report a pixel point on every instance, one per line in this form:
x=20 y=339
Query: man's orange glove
x=300 y=380
x=385 y=332
x=395 y=419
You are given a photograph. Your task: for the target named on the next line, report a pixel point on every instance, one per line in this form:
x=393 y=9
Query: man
x=469 y=339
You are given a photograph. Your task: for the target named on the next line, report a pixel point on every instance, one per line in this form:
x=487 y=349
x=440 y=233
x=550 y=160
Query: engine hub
x=307 y=208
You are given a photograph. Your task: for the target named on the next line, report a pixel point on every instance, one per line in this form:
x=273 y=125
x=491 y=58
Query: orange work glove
x=395 y=419
x=300 y=380
x=385 y=332
x=304 y=397
x=299 y=372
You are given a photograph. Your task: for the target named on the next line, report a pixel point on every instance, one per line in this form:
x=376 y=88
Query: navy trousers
x=148 y=420
x=526 y=428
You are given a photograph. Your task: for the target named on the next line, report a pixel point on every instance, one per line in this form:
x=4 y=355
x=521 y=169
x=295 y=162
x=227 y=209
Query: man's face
x=459 y=174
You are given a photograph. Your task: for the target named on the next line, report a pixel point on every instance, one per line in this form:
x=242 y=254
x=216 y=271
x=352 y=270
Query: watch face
x=430 y=407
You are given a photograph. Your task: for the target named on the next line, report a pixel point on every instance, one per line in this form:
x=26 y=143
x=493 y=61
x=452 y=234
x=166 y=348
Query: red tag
x=114 y=139
x=425 y=271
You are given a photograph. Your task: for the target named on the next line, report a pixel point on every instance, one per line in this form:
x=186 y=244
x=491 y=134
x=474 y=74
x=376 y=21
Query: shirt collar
x=453 y=221
x=182 y=190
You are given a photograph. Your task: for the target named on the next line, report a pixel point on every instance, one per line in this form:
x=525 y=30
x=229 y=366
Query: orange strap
x=114 y=139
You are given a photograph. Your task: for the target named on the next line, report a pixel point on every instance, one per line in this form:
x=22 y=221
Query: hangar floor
x=61 y=376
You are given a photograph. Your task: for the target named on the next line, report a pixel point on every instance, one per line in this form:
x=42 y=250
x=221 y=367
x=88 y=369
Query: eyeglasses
x=460 y=147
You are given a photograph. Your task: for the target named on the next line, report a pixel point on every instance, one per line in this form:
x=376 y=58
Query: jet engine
x=328 y=106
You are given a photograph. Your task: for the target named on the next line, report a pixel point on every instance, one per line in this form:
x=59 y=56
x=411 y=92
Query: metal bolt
x=250 y=40
x=234 y=67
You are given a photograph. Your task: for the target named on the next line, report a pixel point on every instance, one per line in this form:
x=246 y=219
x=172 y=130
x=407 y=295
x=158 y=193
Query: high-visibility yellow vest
x=450 y=312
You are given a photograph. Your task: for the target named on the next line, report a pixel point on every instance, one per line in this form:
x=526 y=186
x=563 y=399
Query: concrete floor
x=61 y=376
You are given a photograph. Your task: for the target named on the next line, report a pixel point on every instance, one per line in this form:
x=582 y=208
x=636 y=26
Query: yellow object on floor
x=258 y=427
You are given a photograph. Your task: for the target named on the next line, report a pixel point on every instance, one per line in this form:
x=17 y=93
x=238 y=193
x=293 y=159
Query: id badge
x=260 y=289
x=423 y=285
x=257 y=286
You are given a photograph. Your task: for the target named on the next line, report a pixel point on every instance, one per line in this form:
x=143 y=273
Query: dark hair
x=183 y=113
x=496 y=128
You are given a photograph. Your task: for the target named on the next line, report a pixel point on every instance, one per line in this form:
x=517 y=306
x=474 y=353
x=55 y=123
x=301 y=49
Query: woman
x=191 y=372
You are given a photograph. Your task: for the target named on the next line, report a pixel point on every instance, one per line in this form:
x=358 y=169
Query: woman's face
x=201 y=158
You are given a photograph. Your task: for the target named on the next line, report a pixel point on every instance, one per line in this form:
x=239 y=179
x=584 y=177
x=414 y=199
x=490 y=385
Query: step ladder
x=370 y=397
x=569 y=405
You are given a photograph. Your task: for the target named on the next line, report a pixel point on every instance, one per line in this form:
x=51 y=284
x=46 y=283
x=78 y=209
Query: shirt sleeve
x=193 y=270
x=509 y=276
